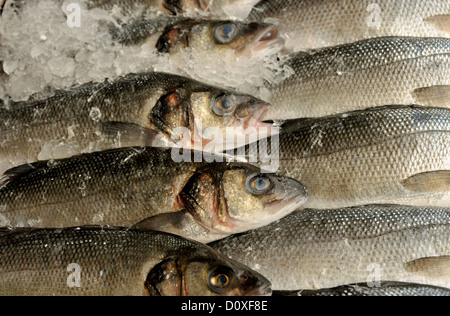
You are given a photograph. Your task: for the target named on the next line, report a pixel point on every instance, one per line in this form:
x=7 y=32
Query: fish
x=141 y=188
x=154 y=109
x=320 y=249
x=217 y=8
x=312 y=24
x=211 y=37
x=83 y=261
x=381 y=289
x=363 y=74
x=384 y=155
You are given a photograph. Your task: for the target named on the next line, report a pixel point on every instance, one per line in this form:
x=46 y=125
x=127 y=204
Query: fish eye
x=225 y=33
x=259 y=184
x=224 y=105
x=219 y=280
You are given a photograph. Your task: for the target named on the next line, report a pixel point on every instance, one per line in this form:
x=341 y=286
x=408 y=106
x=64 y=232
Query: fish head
x=204 y=272
x=208 y=116
x=252 y=40
x=240 y=198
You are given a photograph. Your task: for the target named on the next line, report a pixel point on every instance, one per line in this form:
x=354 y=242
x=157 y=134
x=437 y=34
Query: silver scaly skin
x=392 y=155
x=124 y=187
x=375 y=289
x=101 y=261
x=136 y=110
x=365 y=74
x=319 y=249
x=311 y=24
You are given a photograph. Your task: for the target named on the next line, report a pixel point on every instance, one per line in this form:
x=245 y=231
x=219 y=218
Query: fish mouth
x=247 y=127
x=267 y=42
x=255 y=119
x=294 y=196
x=254 y=284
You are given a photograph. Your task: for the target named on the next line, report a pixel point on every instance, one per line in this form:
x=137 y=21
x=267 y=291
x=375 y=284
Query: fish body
x=127 y=186
x=138 y=110
x=380 y=289
x=213 y=38
x=320 y=249
x=364 y=74
x=84 y=262
x=312 y=24
x=391 y=155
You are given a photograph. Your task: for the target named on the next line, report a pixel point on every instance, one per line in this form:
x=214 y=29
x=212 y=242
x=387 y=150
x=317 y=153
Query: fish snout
x=290 y=195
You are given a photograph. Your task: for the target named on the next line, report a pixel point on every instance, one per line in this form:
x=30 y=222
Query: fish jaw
x=241 y=132
x=294 y=196
x=250 y=282
x=288 y=196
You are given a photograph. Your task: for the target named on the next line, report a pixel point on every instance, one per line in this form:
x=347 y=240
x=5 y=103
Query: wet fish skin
x=382 y=289
x=319 y=249
x=312 y=24
x=391 y=155
x=44 y=263
x=364 y=74
x=136 y=110
x=124 y=187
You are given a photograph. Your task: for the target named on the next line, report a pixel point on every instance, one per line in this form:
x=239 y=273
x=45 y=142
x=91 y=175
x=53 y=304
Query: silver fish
x=379 y=289
x=391 y=155
x=365 y=74
x=154 y=109
x=100 y=261
x=319 y=249
x=311 y=24
x=128 y=186
x=211 y=37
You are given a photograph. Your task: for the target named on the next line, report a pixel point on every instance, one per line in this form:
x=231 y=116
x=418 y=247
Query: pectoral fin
x=433 y=267
x=180 y=223
x=433 y=96
x=20 y=172
x=168 y=222
x=128 y=135
x=429 y=182
x=440 y=22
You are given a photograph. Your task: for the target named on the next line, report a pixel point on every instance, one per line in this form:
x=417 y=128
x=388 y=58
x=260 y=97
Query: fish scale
x=146 y=187
x=365 y=74
x=111 y=261
x=312 y=24
x=317 y=249
x=395 y=155
x=102 y=116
